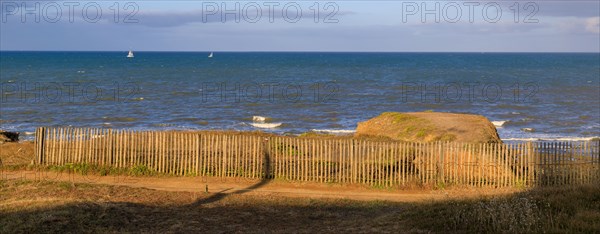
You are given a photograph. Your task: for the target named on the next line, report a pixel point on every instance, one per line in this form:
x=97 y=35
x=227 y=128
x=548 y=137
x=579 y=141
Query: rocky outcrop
x=447 y=127
x=8 y=136
x=430 y=127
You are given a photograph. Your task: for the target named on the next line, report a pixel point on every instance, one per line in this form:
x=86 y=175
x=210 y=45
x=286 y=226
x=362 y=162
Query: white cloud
x=576 y=25
x=592 y=25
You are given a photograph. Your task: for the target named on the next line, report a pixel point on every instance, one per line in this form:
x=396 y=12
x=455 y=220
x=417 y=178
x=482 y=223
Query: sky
x=377 y=26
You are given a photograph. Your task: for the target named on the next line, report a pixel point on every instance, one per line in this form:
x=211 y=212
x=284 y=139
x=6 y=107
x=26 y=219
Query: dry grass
x=16 y=153
x=554 y=210
x=27 y=206
x=61 y=207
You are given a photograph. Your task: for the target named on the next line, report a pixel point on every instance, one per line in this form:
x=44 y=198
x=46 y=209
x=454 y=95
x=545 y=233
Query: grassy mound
x=429 y=127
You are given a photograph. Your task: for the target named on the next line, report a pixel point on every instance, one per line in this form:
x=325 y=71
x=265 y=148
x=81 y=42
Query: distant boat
x=130 y=55
x=210 y=55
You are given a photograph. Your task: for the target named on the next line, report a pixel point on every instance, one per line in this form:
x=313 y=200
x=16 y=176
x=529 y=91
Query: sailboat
x=210 y=55
x=130 y=55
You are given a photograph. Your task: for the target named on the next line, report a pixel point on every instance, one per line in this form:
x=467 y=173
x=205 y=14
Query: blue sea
x=528 y=96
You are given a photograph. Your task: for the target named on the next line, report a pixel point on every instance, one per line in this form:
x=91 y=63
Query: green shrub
x=140 y=170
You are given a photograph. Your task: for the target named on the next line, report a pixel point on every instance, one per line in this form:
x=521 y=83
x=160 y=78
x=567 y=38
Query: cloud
x=169 y=19
x=574 y=25
x=262 y=15
x=593 y=25
x=182 y=28
x=180 y=13
x=567 y=8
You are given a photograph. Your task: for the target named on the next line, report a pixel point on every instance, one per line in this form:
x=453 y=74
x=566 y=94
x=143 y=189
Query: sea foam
x=499 y=124
x=550 y=138
x=266 y=125
x=334 y=131
x=259 y=119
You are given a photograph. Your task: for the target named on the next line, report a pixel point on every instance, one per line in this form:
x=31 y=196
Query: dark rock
x=8 y=136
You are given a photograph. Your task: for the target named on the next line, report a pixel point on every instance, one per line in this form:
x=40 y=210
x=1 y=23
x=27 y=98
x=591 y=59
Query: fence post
x=40 y=135
x=440 y=164
x=267 y=159
x=532 y=163
x=597 y=155
x=112 y=144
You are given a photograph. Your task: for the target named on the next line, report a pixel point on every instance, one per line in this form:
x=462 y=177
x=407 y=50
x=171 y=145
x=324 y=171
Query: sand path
x=259 y=187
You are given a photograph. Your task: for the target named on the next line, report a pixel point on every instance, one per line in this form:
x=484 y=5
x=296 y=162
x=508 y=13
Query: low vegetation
x=28 y=206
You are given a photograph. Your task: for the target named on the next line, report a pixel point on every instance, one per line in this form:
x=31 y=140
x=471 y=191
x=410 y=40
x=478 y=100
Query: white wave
x=558 y=138
x=527 y=129
x=266 y=125
x=259 y=119
x=334 y=131
x=499 y=124
x=592 y=126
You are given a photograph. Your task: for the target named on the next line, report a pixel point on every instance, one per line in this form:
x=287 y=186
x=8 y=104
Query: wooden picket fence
x=348 y=161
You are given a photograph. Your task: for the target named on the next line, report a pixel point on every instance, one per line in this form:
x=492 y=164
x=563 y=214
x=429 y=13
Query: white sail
x=130 y=55
x=210 y=55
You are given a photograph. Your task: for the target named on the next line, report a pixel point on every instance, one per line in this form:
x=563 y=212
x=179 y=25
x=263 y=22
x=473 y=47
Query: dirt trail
x=258 y=187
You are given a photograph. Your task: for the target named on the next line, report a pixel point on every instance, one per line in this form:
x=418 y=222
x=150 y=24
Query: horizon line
x=308 y=51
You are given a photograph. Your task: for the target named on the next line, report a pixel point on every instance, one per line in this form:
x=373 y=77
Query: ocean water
x=527 y=95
